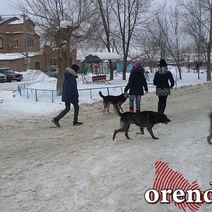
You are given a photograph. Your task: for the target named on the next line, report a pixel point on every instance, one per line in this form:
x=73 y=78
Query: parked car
x=3 y=77
x=52 y=72
x=11 y=75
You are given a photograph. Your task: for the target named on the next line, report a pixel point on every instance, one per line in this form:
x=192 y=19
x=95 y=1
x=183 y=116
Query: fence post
x=90 y=93
x=19 y=90
x=27 y=93
x=52 y=97
x=36 y=95
x=108 y=91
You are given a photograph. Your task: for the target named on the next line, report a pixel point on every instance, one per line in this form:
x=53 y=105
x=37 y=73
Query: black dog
x=143 y=119
x=115 y=100
x=210 y=136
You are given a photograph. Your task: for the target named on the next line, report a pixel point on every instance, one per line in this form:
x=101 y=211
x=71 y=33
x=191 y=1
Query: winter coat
x=70 y=91
x=137 y=82
x=163 y=80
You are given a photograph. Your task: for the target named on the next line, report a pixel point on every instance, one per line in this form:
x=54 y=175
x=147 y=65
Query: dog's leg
x=209 y=139
x=124 y=128
x=120 y=108
x=126 y=132
x=151 y=132
x=108 y=107
x=104 y=111
x=115 y=132
x=105 y=106
x=121 y=130
x=141 y=131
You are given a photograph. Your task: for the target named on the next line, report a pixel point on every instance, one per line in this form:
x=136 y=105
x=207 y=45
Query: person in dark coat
x=163 y=80
x=70 y=95
x=136 y=86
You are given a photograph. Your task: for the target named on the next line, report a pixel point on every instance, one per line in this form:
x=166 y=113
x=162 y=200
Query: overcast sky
x=7 y=9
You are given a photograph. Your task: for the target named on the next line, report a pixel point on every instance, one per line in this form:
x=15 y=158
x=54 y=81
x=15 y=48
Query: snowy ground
x=44 y=168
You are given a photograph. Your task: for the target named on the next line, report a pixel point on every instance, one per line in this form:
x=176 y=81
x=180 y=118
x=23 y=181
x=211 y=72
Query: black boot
x=56 y=122
x=77 y=123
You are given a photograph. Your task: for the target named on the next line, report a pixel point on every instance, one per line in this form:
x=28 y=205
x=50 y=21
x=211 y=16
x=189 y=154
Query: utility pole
x=25 y=42
x=209 y=47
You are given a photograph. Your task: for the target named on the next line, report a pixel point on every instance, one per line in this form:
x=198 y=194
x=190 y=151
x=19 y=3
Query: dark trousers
x=162 y=104
x=162 y=99
x=67 y=109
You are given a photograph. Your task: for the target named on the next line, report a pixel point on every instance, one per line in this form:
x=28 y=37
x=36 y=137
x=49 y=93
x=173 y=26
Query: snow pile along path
x=44 y=168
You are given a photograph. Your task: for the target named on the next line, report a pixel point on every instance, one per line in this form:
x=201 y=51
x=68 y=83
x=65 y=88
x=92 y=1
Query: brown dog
x=210 y=136
x=143 y=119
x=115 y=100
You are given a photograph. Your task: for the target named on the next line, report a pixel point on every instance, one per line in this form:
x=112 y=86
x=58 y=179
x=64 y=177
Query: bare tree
x=149 y=41
x=118 y=20
x=196 y=14
x=129 y=14
x=146 y=47
x=171 y=31
x=104 y=8
x=48 y=16
x=207 y=6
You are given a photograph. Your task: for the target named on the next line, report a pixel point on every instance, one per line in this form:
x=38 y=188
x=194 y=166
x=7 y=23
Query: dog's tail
x=100 y=94
x=117 y=110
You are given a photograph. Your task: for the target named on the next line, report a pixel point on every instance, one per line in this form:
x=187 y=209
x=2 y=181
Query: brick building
x=19 y=41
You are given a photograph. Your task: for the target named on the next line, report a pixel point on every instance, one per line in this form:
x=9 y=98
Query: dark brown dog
x=115 y=100
x=210 y=135
x=143 y=119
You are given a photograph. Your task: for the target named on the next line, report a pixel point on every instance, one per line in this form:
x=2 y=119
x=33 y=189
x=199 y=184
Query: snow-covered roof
x=4 y=19
x=16 y=22
x=106 y=55
x=15 y=56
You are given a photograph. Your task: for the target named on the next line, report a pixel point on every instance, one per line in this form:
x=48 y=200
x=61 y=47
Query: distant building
x=20 y=46
x=97 y=62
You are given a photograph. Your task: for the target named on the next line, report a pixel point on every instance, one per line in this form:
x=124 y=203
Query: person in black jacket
x=70 y=95
x=136 y=83
x=163 y=80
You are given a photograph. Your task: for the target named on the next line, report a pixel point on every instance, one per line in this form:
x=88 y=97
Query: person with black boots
x=136 y=86
x=70 y=95
x=164 y=82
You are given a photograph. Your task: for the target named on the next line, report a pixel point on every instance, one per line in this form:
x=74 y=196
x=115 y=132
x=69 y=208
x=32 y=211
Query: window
x=15 y=44
x=1 y=43
x=53 y=62
x=37 y=65
x=30 y=43
x=29 y=27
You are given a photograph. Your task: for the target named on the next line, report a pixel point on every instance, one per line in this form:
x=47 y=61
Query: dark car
x=52 y=72
x=11 y=75
x=3 y=77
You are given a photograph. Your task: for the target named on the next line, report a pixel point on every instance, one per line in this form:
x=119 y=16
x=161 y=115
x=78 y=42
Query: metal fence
x=35 y=93
x=50 y=95
x=46 y=95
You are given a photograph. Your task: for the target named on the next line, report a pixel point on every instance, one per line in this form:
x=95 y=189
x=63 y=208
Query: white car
x=52 y=72
x=3 y=77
